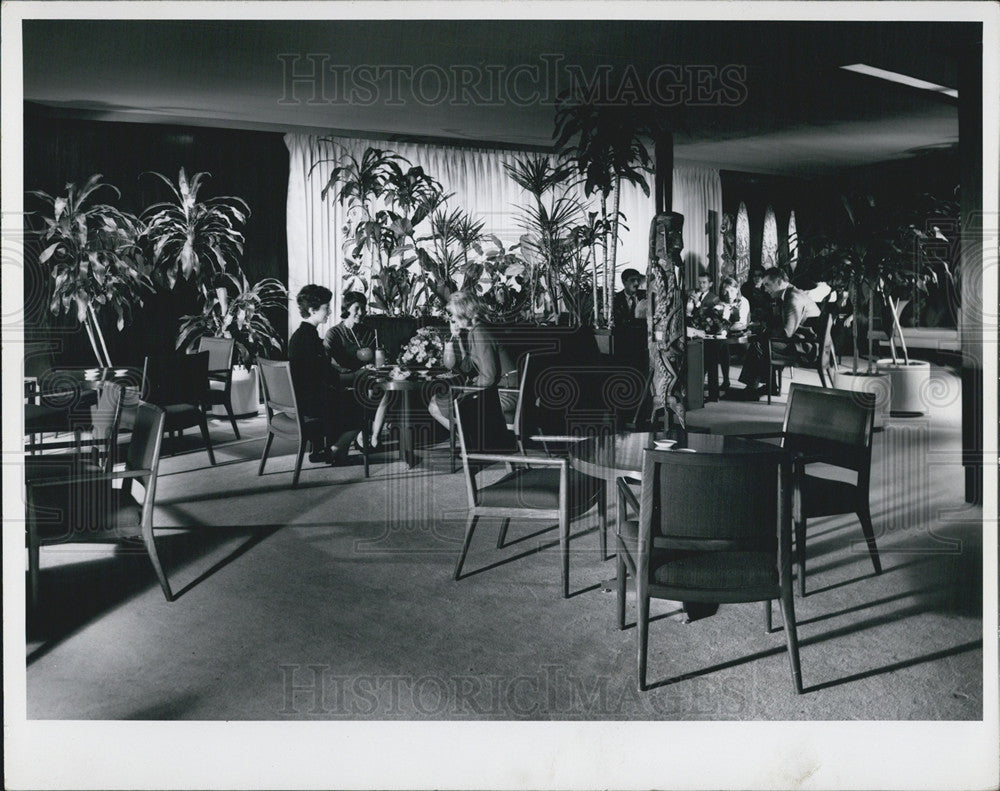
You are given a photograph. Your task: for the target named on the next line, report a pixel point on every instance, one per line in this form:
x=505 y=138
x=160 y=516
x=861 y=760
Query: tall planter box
x=909 y=385
x=878 y=384
x=244 y=393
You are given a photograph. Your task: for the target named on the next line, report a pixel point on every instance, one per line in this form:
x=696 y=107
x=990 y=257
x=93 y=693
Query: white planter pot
x=880 y=385
x=244 y=393
x=909 y=385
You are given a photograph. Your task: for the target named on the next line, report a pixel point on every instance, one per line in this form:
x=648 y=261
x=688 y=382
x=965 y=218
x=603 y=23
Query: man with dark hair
x=753 y=290
x=628 y=306
x=702 y=296
x=794 y=338
x=316 y=382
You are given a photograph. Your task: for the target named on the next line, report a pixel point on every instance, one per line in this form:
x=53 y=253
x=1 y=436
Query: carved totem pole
x=667 y=339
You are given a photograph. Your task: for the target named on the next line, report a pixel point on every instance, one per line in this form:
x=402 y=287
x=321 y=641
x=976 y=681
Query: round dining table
x=428 y=381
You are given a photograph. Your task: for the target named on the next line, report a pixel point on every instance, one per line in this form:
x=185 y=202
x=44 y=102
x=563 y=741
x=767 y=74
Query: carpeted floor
x=335 y=601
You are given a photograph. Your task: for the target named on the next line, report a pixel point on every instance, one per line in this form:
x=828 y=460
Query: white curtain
x=697 y=191
x=482 y=187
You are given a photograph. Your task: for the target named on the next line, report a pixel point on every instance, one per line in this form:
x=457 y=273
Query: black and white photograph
x=500 y=395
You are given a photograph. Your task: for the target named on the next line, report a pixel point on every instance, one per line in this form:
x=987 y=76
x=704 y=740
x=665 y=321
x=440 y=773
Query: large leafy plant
x=196 y=240
x=93 y=257
x=604 y=144
x=238 y=310
x=876 y=254
x=447 y=266
x=386 y=198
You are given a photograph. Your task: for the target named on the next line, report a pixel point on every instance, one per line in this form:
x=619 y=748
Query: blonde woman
x=475 y=351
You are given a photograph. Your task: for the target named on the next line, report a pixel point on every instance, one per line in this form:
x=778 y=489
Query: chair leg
x=622 y=578
x=642 y=630
x=232 y=418
x=800 y=553
x=469 y=529
x=298 y=461
x=865 y=516
x=267 y=449
x=154 y=557
x=768 y=623
x=792 y=637
x=34 y=557
x=503 y=533
x=203 y=425
x=564 y=551
x=602 y=509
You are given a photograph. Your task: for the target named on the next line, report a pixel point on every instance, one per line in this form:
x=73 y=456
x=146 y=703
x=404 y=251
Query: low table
x=714 y=346
x=432 y=382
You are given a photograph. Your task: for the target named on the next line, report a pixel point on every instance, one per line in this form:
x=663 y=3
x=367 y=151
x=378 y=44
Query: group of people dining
x=325 y=370
x=766 y=300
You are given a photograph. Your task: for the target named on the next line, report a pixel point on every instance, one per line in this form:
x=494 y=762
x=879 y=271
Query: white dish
x=664 y=444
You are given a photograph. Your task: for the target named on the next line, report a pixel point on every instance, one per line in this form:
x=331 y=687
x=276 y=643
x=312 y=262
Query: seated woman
x=476 y=352
x=351 y=347
x=735 y=308
x=316 y=382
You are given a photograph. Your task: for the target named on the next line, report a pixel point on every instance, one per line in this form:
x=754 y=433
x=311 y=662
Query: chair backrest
x=279 y=394
x=144 y=451
x=835 y=423
x=105 y=419
x=220 y=352
x=481 y=424
x=175 y=379
x=711 y=501
x=563 y=398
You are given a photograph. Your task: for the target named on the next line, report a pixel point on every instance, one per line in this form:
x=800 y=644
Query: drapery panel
x=697 y=191
x=480 y=185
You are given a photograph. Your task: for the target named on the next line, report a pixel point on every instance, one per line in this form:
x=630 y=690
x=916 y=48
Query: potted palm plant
x=238 y=310
x=604 y=144
x=196 y=240
x=94 y=259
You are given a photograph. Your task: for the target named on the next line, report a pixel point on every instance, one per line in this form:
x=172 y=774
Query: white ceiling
x=796 y=112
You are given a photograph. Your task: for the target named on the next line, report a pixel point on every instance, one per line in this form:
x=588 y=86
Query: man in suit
x=702 y=296
x=794 y=338
x=629 y=311
x=628 y=305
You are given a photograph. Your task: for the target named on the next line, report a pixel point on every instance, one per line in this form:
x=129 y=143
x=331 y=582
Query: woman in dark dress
x=317 y=386
x=476 y=352
x=351 y=347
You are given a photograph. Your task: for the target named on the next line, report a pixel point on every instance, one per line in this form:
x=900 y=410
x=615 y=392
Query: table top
x=60 y=381
x=621 y=455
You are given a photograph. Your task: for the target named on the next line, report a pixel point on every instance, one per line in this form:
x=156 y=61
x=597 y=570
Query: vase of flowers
x=423 y=350
x=711 y=321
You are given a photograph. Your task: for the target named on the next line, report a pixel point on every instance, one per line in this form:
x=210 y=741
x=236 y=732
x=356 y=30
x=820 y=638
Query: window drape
x=480 y=185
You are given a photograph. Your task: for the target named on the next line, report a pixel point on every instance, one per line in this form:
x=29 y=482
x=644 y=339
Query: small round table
x=428 y=381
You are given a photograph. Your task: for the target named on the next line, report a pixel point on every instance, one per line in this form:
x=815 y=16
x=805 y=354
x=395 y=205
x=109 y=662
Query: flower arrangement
x=711 y=320
x=423 y=350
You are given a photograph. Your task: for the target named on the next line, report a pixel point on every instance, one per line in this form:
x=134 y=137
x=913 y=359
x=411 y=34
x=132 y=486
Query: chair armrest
x=626 y=493
x=556 y=438
x=109 y=476
x=544 y=461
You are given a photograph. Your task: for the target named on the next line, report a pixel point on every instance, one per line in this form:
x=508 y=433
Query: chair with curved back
x=220 y=375
x=823 y=360
x=86 y=507
x=713 y=529
x=285 y=419
x=178 y=383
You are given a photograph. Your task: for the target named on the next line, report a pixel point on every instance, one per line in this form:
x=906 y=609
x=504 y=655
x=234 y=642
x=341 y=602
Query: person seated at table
x=753 y=290
x=702 y=296
x=628 y=307
x=735 y=308
x=316 y=382
x=476 y=352
x=351 y=346
x=793 y=337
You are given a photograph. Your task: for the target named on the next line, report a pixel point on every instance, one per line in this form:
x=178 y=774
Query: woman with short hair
x=475 y=350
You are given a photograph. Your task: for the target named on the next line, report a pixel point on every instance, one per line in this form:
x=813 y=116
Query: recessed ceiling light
x=902 y=79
